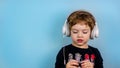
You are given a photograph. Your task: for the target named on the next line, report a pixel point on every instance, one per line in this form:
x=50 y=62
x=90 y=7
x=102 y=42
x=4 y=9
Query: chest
x=80 y=55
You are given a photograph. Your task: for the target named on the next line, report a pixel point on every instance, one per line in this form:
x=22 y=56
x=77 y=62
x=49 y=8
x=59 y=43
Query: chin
x=79 y=44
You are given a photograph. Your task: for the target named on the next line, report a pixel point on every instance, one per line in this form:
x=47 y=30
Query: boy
x=81 y=27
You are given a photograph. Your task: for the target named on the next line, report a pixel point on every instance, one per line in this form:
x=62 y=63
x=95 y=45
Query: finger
x=73 y=67
x=74 y=62
x=84 y=61
x=84 y=66
x=87 y=64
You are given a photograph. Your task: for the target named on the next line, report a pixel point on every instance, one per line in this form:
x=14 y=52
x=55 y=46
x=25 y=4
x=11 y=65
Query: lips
x=79 y=40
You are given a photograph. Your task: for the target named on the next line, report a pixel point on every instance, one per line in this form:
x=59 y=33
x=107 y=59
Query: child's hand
x=72 y=64
x=87 y=64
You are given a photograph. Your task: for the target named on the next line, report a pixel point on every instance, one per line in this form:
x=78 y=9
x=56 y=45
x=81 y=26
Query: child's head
x=80 y=16
x=80 y=25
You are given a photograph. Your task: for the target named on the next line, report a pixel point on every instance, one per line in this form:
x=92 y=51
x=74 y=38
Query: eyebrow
x=85 y=29
x=82 y=29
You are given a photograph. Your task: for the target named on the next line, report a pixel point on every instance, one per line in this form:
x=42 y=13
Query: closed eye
x=85 y=32
x=75 y=32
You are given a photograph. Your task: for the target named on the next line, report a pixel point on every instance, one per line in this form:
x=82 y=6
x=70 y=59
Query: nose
x=80 y=35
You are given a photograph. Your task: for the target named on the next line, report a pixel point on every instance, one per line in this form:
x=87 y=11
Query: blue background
x=31 y=35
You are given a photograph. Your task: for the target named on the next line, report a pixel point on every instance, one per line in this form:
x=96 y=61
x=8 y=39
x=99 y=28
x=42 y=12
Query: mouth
x=79 y=40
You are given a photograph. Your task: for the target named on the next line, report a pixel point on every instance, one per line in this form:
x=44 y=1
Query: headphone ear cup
x=95 y=32
x=65 y=29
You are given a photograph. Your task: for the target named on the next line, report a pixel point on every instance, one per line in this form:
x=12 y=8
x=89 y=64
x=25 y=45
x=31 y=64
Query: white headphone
x=66 y=31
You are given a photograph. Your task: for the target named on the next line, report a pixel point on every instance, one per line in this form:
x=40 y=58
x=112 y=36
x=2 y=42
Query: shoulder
x=65 y=47
x=95 y=50
x=62 y=51
x=92 y=47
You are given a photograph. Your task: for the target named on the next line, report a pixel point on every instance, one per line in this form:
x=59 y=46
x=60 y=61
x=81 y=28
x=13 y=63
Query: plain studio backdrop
x=31 y=31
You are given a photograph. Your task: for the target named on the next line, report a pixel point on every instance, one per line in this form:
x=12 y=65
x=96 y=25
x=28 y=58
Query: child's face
x=80 y=34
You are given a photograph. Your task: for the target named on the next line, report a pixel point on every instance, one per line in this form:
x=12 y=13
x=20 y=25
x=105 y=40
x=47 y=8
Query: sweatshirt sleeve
x=60 y=60
x=99 y=60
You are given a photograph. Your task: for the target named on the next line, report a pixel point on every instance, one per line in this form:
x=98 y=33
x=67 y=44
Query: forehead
x=80 y=26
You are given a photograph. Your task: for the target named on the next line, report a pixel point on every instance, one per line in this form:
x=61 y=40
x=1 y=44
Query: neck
x=85 y=46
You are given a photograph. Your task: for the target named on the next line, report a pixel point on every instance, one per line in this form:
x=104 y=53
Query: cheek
x=73 y=36
x=87 y=36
